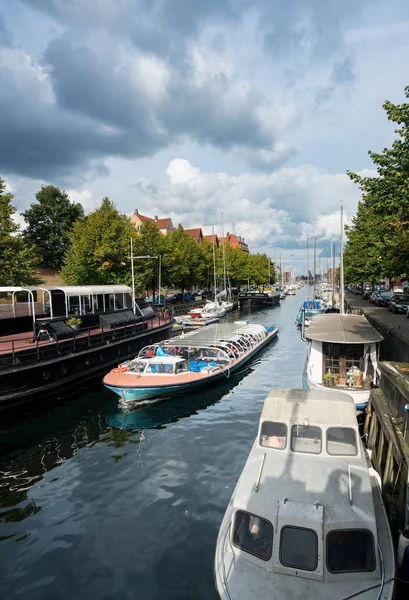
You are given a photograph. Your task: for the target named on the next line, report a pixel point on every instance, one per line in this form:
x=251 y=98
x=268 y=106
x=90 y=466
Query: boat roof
x=342 y=329
x=163 y=359
x=294 y=406
x=214 y=334
x=73 y=290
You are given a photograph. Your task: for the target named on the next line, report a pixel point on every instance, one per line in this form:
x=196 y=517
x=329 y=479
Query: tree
x=183 y=259
x=99 y=251
x=149 y=242
x=385 y=201
x=49 y=222
x=236 y=261
x=258 y=268
x=17 y=259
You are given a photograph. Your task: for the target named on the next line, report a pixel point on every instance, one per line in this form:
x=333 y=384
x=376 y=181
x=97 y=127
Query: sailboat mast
x=315 y=266
x=333 y=274
x=341 y=264
x=282 y=274
x=214 y=264
x=224 y=257
x=308 y=273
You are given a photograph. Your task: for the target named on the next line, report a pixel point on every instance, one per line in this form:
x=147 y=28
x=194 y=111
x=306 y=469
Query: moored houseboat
x=306 y=519
x=259 y=299
x=56 y=337
x=187 y=362
x=342 y=355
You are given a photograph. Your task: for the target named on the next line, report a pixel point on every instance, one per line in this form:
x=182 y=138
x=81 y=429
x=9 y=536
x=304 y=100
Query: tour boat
x=189 y=361
x=342 y=355
x=306 y=519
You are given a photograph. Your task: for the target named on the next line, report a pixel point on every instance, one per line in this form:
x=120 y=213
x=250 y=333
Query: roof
x=213 y=334
x=74 y=290
x=318 y=406
x=210 y=238
x=162 y=223
x=195 y=233
x=342 y=329
x=163 y=359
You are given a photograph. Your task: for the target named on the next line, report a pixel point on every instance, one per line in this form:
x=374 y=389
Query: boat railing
x=16 y=351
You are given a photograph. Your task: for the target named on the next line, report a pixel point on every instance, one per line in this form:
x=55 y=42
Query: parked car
x=188 y=297
x=399 y=303
x=367 y=293
x=383 y=299
x=155 y=299
x=174 y=298
x=373 y=296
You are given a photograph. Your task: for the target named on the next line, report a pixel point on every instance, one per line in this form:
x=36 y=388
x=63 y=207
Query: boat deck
x=19 y=342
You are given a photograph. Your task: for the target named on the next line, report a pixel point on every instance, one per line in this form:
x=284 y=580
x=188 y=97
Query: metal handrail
x=83 y=339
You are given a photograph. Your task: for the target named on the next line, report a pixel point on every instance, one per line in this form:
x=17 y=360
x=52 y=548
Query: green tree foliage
x=183 y=260
x=258 y=268
x=49 y=222
x=383 y=214
x=17 y=259
x=99 y=251
x=149 y=242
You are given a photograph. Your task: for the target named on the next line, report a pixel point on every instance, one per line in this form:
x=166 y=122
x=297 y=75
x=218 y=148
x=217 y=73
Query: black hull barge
x=259 y=300
x=55 y=357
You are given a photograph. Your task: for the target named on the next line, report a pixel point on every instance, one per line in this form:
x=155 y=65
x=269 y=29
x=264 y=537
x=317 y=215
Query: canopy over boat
x=342 y=329
x=214 y=334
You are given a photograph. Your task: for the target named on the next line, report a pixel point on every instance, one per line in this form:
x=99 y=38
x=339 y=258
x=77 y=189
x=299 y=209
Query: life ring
x=166 y=315
x=120 y=370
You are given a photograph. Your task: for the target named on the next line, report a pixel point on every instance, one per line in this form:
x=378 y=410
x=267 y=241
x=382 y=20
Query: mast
x=333 y=274
x=133 y=279
x=268 y=271
x=224 y=258
x=315 y=266
x=341 y=264
x=214 y=265
x=308 y=273
x=282 y=274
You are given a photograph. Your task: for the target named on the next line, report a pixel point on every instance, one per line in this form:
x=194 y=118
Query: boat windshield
x=341 y=441
x=253 y=534
x=299 y=548
x=306 y=438
x=136 y=366
x=273 y=435
x=161 y=368
x=350 y=551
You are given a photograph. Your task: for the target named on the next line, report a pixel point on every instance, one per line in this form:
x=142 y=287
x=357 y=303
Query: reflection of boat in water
x=306 y=519
x=188 y=362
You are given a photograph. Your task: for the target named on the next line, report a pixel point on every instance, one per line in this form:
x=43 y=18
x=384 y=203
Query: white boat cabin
x=304 y=507
x=344 y=346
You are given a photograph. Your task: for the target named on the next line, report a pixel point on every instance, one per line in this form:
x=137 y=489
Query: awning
x=342 y=329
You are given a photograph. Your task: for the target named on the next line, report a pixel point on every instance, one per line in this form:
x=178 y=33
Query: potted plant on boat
x=328 y=380
x=342 y=378
x=74 y=323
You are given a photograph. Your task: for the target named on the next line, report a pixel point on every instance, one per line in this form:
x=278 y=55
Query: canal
x=100 y=504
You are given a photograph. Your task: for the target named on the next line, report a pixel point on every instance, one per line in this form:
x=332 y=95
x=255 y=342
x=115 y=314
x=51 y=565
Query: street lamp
x=133 y=274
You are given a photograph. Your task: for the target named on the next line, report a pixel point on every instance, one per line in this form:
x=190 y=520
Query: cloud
x=268 y=210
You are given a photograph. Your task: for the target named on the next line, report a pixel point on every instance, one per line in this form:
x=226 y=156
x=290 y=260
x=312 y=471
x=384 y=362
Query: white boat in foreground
x=342 y=353
x=306 y=520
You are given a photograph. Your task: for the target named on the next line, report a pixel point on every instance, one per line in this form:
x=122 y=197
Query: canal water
x=100 y=504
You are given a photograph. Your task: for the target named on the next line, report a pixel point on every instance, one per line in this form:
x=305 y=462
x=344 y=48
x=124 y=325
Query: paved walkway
x=387 y=321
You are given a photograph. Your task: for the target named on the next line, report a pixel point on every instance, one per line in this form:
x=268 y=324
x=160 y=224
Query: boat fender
x=403 y=544
x=166 y=315
x=120 y=370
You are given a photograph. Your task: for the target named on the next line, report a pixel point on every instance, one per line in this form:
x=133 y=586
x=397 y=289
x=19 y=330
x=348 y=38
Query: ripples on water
x=88 y=510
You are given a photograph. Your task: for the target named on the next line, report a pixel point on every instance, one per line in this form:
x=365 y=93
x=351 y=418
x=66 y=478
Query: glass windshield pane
x=306 y=439
x=253 y=535
x=299 y=548
x=350 y=550
x=273 y=435
x=341 y=441
x=160 y=368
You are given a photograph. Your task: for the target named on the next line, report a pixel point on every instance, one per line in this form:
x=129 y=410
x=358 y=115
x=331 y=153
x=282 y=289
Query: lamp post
x=133 y=275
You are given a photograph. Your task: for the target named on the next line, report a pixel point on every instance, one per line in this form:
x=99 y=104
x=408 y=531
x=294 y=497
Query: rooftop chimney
x=156 y=217
x=136 y=211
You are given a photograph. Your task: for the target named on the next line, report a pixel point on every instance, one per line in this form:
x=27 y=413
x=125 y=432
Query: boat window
x=273 y=435
x=350 y=550
x=299 y=548
x=159 y=368
x=253 y=534
x=181 y=367
x=341 y=441
x=138 y=367
x=306 y=438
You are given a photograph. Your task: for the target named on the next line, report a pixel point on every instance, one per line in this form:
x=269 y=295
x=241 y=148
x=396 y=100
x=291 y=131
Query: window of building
x=350 y=550
x=299 y=548
x=253 y=534
x=273 y=435
x=306 y=439
x=341 y=441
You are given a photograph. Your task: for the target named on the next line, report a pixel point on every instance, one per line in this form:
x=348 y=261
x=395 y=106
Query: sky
x=186 y=108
